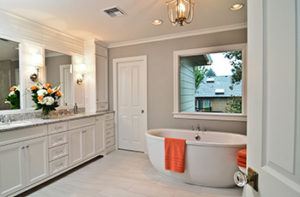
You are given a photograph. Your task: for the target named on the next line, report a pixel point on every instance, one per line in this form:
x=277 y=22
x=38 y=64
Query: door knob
x=242 y=179
x=142 y=111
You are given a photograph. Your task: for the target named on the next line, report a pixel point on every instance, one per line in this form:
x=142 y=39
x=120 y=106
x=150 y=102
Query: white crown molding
x=180 y=35
x=18 y=29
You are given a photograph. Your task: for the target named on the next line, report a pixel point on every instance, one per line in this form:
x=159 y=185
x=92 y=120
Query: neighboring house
x=187 y=80
x=214 y=93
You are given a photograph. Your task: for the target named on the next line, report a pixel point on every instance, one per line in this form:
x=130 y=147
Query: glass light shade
x=37 y=60
x=81 y=68
x=180 y=11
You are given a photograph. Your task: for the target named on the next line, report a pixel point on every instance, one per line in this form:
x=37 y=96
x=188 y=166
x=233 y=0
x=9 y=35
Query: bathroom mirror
x=59 y=72
x=9 y=75
x=210 y=81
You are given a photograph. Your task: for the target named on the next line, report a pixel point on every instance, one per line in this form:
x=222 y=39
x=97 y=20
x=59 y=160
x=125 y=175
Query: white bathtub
x=208 y=162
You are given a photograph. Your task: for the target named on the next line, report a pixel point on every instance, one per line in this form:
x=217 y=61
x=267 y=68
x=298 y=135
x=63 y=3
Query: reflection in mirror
x=9 y=75
x=211 y=82
x=59 y=73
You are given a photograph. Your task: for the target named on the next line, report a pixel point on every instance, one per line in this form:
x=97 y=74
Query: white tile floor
x=126 y=174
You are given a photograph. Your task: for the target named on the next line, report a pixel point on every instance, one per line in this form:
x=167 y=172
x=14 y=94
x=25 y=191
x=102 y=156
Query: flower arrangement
x=13 y=97
x=45 y=97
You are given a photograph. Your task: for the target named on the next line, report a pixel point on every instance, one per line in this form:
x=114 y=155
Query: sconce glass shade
x=37 y=60
x=180 y=11
x=81 y=69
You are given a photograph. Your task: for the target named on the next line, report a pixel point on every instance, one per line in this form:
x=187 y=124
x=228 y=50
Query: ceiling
x=85 y=19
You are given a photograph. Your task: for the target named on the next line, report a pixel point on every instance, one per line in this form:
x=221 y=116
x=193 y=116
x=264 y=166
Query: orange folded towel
x=241 y=159
x=241 y=164
x=242 y=153
x=174 y=154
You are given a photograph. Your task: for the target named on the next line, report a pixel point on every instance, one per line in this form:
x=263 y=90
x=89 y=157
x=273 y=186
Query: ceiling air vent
x=114 y=11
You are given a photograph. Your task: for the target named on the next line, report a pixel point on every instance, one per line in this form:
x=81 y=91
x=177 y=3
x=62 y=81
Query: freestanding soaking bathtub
x=208 y=162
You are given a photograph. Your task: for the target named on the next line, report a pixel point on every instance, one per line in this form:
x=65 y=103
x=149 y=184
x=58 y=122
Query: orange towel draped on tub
x=174 y=154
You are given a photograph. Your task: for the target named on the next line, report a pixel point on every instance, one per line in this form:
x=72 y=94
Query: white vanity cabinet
x=12 y=168
x=101 y=78
x=23 y=164
x=32 y=155
x=99 y=135
x=81 y=142
x=36 y=159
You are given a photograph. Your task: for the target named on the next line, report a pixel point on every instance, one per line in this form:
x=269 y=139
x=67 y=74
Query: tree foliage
x=235 y=58
x=200 y=73
x=234 y=105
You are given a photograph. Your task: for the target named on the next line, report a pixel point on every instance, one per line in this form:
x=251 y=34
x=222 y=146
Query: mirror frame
x=207 y=115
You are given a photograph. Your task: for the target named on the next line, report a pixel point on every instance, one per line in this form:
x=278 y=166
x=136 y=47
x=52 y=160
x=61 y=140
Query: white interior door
x=66 y=81
x=274 y=97
x=131 y=101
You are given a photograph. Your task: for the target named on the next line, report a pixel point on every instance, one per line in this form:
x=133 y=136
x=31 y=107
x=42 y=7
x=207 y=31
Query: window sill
x=210 y=116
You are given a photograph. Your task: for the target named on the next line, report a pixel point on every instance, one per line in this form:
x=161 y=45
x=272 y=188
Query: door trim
x=116 y=61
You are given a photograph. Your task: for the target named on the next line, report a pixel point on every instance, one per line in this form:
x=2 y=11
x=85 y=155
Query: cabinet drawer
x=81 y=123
x=109 y=133
x=57 y=127
x=109 y=124
x=102 y=106
x=58 y=139
x=109 y=142
x=58 y=165
x=109 y=116
x=58 y=152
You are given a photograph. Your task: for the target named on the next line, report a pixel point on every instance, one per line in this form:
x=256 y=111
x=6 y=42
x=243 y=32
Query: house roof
x=213 y=88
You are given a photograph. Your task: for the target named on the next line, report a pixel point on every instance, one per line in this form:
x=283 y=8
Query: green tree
x=200 y=73
x=235 y=58
x=210 y=73
x=234 y=105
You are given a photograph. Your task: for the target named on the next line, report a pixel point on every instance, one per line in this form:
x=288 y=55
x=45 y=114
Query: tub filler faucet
x=197 y=135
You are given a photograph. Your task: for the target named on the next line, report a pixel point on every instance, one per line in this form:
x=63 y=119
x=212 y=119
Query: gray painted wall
x=160 y=78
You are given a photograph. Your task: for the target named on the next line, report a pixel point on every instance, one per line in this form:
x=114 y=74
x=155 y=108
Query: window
x=209 y=83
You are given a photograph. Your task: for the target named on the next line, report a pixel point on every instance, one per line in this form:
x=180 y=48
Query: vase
x=45 y=114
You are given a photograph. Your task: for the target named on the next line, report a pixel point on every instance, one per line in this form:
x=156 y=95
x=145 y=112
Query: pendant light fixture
x=180 y=11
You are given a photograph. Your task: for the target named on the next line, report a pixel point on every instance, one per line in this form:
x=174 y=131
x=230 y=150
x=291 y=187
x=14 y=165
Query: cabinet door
x=88 y=141
x=102 y=82
x=75 y=146
x=99 y=134
x=36 y=153
x=11 y=168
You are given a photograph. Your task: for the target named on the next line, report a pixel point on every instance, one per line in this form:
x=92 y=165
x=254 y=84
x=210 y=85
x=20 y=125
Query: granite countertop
x=38 y=121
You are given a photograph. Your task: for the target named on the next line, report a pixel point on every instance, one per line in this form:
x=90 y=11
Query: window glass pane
x=211 y=82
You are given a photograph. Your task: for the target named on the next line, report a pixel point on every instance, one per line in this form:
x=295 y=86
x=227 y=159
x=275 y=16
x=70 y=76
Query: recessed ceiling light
x=157 y=22
x=237 y=6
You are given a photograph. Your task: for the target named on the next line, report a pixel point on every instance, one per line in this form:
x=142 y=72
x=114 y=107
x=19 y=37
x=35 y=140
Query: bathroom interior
x=178 y=98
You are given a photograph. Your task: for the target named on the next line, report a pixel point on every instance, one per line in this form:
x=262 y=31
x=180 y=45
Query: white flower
x=18 y=87
x=48 y=100
x=41 y=92
x=11 y=93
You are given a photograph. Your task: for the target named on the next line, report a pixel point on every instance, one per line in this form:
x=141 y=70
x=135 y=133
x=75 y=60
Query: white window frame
x=206 y=115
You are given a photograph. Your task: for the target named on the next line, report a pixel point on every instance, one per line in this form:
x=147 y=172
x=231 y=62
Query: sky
x=220 y=65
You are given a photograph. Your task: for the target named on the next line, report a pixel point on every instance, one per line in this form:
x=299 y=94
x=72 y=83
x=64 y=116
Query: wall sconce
x=37 y=62
x=81 y=71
